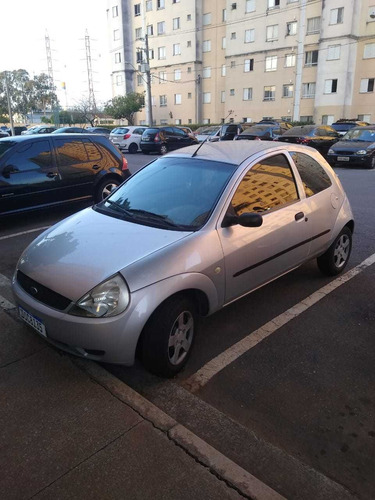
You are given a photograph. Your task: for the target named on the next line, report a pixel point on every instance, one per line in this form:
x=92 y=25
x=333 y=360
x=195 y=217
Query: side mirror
x=247 y=219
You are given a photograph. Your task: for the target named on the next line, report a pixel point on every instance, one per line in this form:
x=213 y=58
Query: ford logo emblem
x=33 y=290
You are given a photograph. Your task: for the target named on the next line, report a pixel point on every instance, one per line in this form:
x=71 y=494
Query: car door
x=78 y=161
x=182 y=138
x=28 y=176
x=255 y=255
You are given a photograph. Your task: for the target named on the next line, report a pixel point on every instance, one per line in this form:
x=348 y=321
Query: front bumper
x=352 y=160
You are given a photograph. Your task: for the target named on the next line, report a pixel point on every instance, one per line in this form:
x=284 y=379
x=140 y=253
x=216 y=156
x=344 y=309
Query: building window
x=188 y=17
x=290 y=60
x=272 y=32
x=177 y=99
x=206 y=19
x=177 y=121
x=273 y=4
x=291 y=28
x=115 y=11
x=137 y=9
x=118 y=80
x=188 y=43
x=330 y=86
x=311 y=58
x=223 y=70
x=269 y=93
x=161 y=53
x=206 y=46
x=247 y=94
x=367 y=85
x=337 y=16
x=233 y=64
x=364 y=118
x=288 y=90
x=177 y=74
x=176 y=23
x=190 y=95
x=231 y=92
x=116 y=35
x=163 y=100
x=148 y=5
x=150 y=29
x=233 y=36
x=306 y=119
x=206 y=97
x=189 y=69
x=271 y=63
x=333 y=52
x=313 y=25
x=250 y=6
x=139 y=55
x=139 y=80
x=151 y=54
x=176 y=49
x=248 y=65
x=162 y=76
x=369 y=51
x=160 y=4
x=308 y=90
x=175 y=1
x=223 y=96
x=207 y=72
x=224 y=15
x=161 y=28
x=118 y=57
x=138 y=33
x=328 y=119
x=249 y=35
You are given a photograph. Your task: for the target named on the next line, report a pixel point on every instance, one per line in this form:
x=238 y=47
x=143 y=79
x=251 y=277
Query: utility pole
x=148 y=84
x=9 y=105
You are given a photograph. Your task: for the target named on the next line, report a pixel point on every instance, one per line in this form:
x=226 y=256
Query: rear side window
x=267 y=185
x=70 y=152
x=32 y=156
x=313 y=175
x=93 y=152
x=120 y=130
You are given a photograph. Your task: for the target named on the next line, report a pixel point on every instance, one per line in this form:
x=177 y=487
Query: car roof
x=234 y=152
x=20 y=138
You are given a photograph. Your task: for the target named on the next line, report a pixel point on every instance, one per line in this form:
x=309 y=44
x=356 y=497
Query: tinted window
x=138 y=131
x=32 y=156
x=93 y=152
x=179 y=132
x=360 y=134
x=267 y=185
x=70 y=152
x=120 y=130
x=313 y=175
x=151 y=131
x=5 y=146
x=299 y=131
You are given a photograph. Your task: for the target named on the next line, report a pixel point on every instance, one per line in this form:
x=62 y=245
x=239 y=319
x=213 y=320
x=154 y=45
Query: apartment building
x=217 y=60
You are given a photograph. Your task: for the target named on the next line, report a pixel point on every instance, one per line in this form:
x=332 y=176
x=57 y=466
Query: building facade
x=212 y=61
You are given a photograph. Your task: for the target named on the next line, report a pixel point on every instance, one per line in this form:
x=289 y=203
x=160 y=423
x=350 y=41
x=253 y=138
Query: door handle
x=299 y=216
x=51 y=175
x=95 y=167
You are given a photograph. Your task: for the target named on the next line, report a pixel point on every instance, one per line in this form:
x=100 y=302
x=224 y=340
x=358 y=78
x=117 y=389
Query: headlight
x=331 y=152
x=361 y=152
x=107 y=299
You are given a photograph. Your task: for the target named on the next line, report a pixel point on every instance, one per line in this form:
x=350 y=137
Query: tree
x=85 y=111
x=125 y=106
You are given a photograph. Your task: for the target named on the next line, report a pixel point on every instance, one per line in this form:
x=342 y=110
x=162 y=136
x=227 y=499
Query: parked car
x=18 y=129
x=70 y=130
x=228 y=131
x=275 y=121
x=356 y=147
x=208 y=133
x=342 y=126
x=164 y=139
x=193 y=231
x=127 y=138
x=261 y=133
x=99 y=130
x=3 y=133
x=320 y=137
x=43 y=129
x=37 y=171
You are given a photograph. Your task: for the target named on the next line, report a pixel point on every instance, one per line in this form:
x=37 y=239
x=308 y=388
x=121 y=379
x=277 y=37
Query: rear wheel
x=133 y=148
x=371 y=164
x=334 y=260
x=168 y=337
x=105 y=188
x=163 y=149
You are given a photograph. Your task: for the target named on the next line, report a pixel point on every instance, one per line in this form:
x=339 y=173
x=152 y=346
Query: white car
x=127 y=138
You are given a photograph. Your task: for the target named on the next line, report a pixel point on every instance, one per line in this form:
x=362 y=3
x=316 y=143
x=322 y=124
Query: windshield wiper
x=123 y=210
x=146 y=215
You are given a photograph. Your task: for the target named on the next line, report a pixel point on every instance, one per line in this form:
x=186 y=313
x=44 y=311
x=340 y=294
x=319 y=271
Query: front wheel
x=105 y=188
x=168 y=337
x=334 y=260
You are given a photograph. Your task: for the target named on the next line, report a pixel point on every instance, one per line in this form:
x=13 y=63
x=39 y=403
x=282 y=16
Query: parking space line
x=23 y=232
x=217 y=364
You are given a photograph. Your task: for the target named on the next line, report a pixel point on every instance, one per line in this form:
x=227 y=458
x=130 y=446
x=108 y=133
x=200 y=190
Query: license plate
x=32 y=321
x=343 y=158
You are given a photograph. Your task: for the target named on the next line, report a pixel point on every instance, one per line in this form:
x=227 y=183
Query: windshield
x=209 y=131
x=360 y=134
x=172 y=193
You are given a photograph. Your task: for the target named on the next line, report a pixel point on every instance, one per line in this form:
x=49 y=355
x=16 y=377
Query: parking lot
x=282 y=381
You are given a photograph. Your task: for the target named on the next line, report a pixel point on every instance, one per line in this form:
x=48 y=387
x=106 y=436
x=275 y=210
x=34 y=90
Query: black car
x=357 y=147
x=164 y=139
x=38 y=171
x=320 y=137
x=262 y=133
x=228 y=131
x=343 y=126
x=275 y=121
x=18 y=129
x=70 y=130
x=98 y=130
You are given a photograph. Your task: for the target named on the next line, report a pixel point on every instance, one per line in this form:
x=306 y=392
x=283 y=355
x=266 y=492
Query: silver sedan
x=183 y=237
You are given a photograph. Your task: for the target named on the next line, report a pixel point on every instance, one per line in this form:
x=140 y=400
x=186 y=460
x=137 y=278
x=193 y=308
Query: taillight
x=257 y=139
x=124 y=164
x=157 y=138
x=303 y=140
x=127 y=136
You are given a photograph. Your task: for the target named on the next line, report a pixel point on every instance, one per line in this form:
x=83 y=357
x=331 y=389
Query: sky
x=24 y=25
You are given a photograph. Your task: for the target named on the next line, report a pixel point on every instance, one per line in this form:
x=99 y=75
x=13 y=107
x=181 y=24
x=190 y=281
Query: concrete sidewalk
x=69 y=429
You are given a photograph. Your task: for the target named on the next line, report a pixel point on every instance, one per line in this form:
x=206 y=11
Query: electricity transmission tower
x=54 y=105
x=92 y=103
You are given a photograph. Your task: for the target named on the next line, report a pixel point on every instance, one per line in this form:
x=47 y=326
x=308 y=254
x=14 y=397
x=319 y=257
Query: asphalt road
x=297 y=407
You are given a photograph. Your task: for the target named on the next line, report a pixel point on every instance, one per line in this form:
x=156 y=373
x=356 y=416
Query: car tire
x=168 y=336
x=371 y=164
x=133 y=148
x=334 y=260
x=104 y=188
x=163 y=149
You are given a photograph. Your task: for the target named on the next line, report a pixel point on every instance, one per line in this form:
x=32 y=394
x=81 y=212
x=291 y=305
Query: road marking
x=5 y=284
x=24 y=232
x=213 y=367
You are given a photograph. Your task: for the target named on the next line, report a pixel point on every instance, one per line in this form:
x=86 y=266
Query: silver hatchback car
x=186 y=235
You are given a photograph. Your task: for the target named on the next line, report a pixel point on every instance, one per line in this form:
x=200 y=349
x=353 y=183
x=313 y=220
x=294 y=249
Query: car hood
x=80 y=252
x=351 y=145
